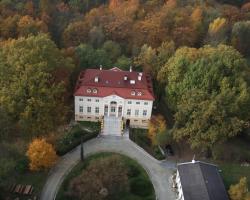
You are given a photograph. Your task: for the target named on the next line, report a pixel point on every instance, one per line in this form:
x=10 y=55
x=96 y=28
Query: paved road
x=159 y=172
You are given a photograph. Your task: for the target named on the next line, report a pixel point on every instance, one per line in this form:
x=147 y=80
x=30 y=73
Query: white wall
x=120 y=102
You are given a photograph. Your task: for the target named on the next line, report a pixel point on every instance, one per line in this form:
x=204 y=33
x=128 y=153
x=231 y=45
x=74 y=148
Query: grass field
x=140 y=173
x=232 y=172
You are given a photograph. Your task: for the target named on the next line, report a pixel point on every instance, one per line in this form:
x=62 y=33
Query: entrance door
x=113 y=106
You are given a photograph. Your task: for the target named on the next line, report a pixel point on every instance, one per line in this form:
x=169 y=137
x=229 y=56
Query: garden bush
x=72 y=139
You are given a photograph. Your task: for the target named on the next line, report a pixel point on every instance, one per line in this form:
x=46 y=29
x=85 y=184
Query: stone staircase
x=113 y=126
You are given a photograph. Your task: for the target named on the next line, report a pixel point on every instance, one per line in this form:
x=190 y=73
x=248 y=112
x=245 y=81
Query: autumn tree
x=75 y=34
x=93 y=183
x=8 y=26
x=41 y=155
x=27 y=25
x=239 y=191
x=208 y=90
x=218 y=31
x=157 y=128
x=29 y=88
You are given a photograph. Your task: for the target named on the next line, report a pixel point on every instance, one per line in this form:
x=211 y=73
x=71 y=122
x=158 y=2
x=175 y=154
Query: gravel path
x=159 y=172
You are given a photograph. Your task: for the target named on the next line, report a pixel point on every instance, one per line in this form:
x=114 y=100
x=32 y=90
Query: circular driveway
x=158 y=171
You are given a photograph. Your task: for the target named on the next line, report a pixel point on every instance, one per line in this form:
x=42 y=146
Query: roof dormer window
x=139 y=93
x=95 y=91
x=133 y=93
x=88 y=90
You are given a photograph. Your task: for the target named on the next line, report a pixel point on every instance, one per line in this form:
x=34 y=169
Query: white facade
x=180 y=195
x=137 y=112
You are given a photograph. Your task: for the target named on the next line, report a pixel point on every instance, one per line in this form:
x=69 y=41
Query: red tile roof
x=113 y=82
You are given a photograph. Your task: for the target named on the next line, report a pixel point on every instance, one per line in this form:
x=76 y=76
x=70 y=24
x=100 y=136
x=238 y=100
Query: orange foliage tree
x=157 y=127
x=41 y=155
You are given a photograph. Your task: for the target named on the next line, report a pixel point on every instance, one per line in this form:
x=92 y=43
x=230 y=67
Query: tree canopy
x=208 y=88
x=30 y=89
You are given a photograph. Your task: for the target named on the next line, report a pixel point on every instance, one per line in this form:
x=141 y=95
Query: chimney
x=100 y=67
x=193 y=160
x=132 y=82
x=96 y=79
x=130 y=69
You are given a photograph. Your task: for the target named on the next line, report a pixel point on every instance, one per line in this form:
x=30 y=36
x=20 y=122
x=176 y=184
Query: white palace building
x=125 y=96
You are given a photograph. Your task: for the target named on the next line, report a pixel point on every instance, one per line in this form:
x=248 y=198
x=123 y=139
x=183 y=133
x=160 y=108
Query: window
x=129 y=112
x=96 y=109
x=144 y=112
x=145 y=103
x=81 y=99
x=138 y=103
x=97 y=100
x=95 y=91
x=136 y=112
x=80 y=109
x=89 y=100
x=133 y=93
x=139 y=93
x=129 y=102
x=89 y=109
x=88 y=90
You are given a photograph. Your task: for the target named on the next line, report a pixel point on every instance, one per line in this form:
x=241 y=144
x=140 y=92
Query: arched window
x=133 y=93
x=88 y=90
x=95 y=91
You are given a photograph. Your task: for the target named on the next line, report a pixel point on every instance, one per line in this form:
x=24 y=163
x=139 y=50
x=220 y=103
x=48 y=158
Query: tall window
x=145 y=103
x=136 y=112
x=97 y=100
x=81 y=99
x=89 y=100
x=89 y=109
x=129 y=112
x=138 y=103
x=144 y=112
x=129 y=102
x=97 y=110
x=80 y=109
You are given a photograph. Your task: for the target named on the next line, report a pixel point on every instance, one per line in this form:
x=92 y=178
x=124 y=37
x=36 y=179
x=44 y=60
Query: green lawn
x=232 y=172
x=136 y=172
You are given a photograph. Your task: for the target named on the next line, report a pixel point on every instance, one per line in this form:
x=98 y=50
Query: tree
x=123 y=62
x=29 y=88
x=157 y=128
x=41 y=155
x=239 y=191
x=218 y=31
x=208 y=90
x=93 y=183
x=240 y=37
x=27 y=25
x=147 y=58
x=96 y=36
x=75 y=34
x=113 y=50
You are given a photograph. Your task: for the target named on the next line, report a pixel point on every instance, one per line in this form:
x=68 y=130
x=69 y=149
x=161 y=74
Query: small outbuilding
x=199 y=181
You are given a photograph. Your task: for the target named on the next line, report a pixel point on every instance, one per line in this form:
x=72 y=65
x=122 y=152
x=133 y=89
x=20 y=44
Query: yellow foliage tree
x=41 y=155
x=157 y=126
x=239 y=191
x=217 y=25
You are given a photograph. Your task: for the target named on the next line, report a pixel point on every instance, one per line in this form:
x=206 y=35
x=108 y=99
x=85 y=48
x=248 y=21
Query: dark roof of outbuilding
x=201 y=181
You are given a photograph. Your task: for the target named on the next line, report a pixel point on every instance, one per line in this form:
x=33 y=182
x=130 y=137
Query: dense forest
x=197 y=51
